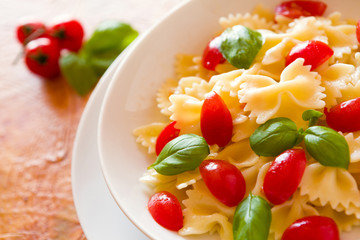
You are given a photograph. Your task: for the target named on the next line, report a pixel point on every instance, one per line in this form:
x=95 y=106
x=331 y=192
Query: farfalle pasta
x=283 y=90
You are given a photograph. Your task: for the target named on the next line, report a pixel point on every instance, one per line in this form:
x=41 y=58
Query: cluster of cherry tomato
x=223 y=179
x=42 y=44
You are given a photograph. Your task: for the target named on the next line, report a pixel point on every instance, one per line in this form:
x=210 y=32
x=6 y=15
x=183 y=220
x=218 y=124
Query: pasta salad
x=263 y=132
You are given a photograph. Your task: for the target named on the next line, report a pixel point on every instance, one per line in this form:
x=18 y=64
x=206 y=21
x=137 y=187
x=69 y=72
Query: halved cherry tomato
x=165 y=208
x=344 y=117
x=165 y=136
x=42 y=57
x=216 y=122
x=69 y=34
x=284 y=175
x=224 y=181
x=30 y=31
x=358 y=31
x=312 y=228
x=212 y=56
x=314 y=52
x=296 y=9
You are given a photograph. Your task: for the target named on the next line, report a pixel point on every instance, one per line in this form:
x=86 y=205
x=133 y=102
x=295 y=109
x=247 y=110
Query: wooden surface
x=39 y=118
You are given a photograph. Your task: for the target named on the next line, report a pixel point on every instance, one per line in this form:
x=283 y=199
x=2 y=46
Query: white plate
x=98 y=213
x=130 y=99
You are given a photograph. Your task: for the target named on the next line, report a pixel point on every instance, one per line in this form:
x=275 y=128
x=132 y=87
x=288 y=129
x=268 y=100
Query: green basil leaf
x=107 y=42
x=240 y=45
x=274 y=136
x=110 y=36
x=181 y=154
x=100 y=63
x=312 y=116
x=252 y=219
x=327 y=146
x=78 y=73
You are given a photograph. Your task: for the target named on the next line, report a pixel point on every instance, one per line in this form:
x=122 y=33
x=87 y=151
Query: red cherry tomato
x=215 y=121
x=30 y=31
x=358 y=31
x=224 y=181
x=69 y=33
x=165 y=208
x=314 y=52
x=212 y=55
x=344 y=117
x=284 y=175
x=312 y=228
x=165 y=136
x=42 y=57
x=296 y=9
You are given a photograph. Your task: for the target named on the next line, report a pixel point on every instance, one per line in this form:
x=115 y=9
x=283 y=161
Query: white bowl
x=130 y=99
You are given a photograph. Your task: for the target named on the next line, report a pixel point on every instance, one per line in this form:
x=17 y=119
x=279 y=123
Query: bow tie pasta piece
x=244 y=129
x=207 y=215
x=249 y=20
x=278 y=53
x=186 y=112
x=270 y=40
x=344 y=221
x=342 y=39
x=260 y=180
x=306 y=28
x=334 y=78
x=352 y=89
x=179 y=181
x=163 y=94
x=285 y=214
x=298 y=90
x=351 y=210
x=329 y=185
x=336 y=19
x=147 y=135
x=251 y=174
x=353 y=140
x=194 y=87
x=239 y=154
x=224 y=82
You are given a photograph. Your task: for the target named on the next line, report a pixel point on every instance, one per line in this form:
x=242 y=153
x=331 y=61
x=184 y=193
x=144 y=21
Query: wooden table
x=39 y=118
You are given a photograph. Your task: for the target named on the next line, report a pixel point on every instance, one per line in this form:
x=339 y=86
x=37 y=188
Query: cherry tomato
x=314 y=52
x=296 y=9
x=284 y=175
x=212 y=55
x=165 y=136
x=358 y=31
x=69 y=33
x=344 y=117
x=165 y=208
x=224 y=181
x=215 y=121
x=42 y=57
x=312 y=228
x=30 y=31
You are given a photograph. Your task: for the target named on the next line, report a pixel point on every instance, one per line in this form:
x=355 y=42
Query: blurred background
x=39 y=118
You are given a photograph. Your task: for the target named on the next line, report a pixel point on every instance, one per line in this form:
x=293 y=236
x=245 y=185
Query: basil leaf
x=312 y=116
x=327 y=146
x=100 y=63
x=107 y=42
x=181 y=154
x=240 y=45
x=274 y=136
x=252 y=219
x=78 y=73
x=83 y=70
